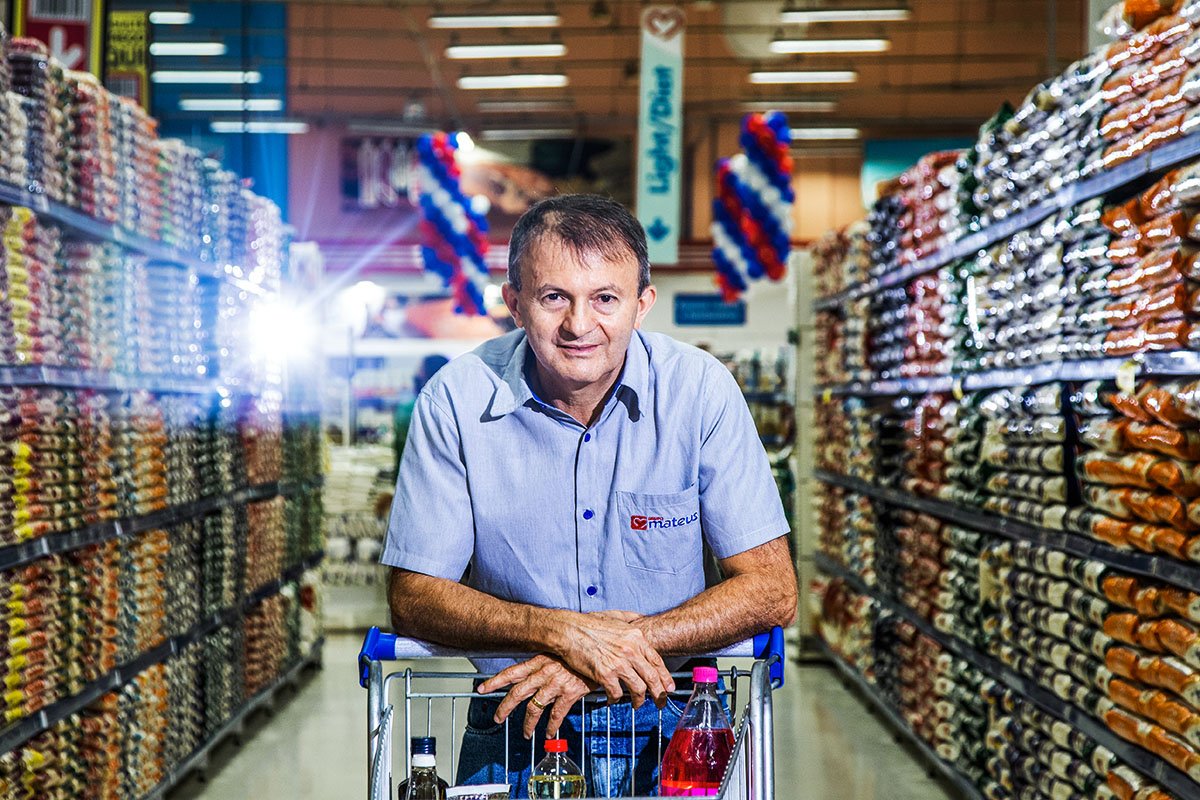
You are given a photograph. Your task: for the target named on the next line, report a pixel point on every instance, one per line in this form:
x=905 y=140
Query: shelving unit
x=1156 y=161
x=1143 y=761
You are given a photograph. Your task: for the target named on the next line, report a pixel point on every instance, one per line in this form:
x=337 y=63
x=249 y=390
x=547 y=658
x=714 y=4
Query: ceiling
x=948 y=68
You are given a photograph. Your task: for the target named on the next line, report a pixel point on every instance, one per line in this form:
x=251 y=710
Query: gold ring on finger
x=537 y=702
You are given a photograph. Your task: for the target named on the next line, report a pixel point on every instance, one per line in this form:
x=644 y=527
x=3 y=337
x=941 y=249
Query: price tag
x=1127 y=377
x=956 y=389
x=827 y=396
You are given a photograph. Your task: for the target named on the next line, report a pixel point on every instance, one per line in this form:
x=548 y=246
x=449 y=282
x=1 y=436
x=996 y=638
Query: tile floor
x=827 y=746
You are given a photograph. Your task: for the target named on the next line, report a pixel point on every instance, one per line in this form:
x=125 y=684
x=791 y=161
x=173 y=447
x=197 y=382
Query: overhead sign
x=708 y=309
x=128 y=72
x=660 y=131
x=72 y=29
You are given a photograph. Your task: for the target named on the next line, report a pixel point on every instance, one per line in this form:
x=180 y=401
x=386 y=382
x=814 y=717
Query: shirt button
x=587 y=437
x=588 y=513
x=591 y=590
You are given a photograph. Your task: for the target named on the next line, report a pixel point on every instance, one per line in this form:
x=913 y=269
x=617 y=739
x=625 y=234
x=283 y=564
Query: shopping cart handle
x=380 y=646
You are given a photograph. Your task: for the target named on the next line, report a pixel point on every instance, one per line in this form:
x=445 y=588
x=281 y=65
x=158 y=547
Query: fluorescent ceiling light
x=230 y=104
x=170 y=18
x=830 y=45
x=823 y=134
x=205 y=76
x=811 y=106
x=260 y=126
x=523 y=134
x=805 y=76
x=512 y=81
x=465 y=51
x=495 y=21
x=386 y=128
x=845 y=15
x=521 y=106
x=187 y=49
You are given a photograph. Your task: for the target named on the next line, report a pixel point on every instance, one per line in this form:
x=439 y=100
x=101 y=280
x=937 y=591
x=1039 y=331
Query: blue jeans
x=610 y=766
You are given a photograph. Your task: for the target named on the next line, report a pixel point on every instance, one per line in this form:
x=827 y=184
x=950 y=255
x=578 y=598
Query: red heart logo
x=662 y=22
x=637 y=523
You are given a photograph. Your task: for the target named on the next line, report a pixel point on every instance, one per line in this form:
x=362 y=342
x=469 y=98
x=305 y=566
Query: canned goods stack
x=265 y=542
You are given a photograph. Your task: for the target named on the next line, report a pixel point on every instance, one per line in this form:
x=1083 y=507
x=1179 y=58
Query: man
x=578 y=467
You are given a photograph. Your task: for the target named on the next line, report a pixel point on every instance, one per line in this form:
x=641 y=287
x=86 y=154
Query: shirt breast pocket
x=661 y=532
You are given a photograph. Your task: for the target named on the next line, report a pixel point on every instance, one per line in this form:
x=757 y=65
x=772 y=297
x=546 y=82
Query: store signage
x=127 y=71
x=708 y=309
x=660 y=131
x=376 y=172
x=72 y=29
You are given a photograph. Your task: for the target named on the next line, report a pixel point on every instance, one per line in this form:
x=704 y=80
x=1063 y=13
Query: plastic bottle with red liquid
x=702 y=745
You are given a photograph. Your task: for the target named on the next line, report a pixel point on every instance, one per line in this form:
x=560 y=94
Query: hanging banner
x=128 y=72
x=660 y=131
x=72 y=29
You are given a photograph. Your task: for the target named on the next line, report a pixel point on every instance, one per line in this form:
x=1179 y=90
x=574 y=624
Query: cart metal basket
x=435 y=697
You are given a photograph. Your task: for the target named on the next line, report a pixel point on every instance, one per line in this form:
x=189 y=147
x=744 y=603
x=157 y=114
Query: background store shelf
x=22 y=731
x=81 y=224
x=1179 y=363
x=1158 y=566
x=966 y=790
x=1142 y=760
x=1161 y=159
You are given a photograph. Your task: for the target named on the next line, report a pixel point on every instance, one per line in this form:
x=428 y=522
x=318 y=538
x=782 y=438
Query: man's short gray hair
x=584 y=223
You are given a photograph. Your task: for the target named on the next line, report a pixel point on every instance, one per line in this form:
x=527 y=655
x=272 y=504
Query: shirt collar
x=515 y=390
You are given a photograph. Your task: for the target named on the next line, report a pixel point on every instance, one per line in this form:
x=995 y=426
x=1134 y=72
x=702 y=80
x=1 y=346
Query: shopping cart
x=751 y=771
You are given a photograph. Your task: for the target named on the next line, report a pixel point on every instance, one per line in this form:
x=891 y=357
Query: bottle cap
x=423 y=761
x=556 y=745
x=425 y=745
x=704 y=674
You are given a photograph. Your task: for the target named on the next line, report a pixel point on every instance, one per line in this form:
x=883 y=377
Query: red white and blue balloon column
x=752 y=211
x=453 y=226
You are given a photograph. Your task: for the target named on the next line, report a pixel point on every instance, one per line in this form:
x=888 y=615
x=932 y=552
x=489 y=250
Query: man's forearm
x=449 y=613
x=739 y=607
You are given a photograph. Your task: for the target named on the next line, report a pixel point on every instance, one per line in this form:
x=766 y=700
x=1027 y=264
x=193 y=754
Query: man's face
x=578 y=311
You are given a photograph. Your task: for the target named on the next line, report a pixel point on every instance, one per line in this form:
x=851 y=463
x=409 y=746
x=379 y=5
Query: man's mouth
x=579 y=349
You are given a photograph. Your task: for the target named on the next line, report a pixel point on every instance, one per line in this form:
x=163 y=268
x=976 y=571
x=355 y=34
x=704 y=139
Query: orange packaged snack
x=1166 y=404
x=1124 y=219
x=1134 y=469
x=1122 y=661
x=1127 y=695
x=1162 y=439
x=1111 y=531
x=1147 y=601
x=1174 y=543
x=1179 y=638
x=1173 y=716
x=1125 y=251
x=1126 y=725
x=1165 y=231
x=1183 y=602
x=1122 y=627
x=1172 y=750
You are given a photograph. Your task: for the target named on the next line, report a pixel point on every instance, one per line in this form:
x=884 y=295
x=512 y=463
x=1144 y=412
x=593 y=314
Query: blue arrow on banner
x=658 y=230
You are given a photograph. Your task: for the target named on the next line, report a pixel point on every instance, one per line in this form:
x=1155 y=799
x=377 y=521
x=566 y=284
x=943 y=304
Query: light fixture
x=522 y=106
x=810 y=106
x=830 y=45
x=844 y=15
x=805 y=76
x=466 y=51
x=526 y=134
x=170 y=18
x=260 y=126
x=230 y=104
x=824 y=134
x=383 y=127
x=205 y=76
x=495 y=21
x=187 y=49
x=547 y=81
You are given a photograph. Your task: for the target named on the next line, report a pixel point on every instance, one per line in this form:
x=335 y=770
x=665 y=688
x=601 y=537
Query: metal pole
x=762 y=740
x=374 y=716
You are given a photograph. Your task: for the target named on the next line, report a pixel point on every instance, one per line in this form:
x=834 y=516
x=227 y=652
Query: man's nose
x=579 y=319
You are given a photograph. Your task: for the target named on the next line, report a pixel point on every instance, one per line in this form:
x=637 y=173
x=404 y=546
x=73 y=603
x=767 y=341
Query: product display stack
x=160 y=499
x=1031 y=460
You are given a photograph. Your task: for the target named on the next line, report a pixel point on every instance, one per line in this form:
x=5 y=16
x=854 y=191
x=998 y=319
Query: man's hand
x=547 y=683
x=606 y=649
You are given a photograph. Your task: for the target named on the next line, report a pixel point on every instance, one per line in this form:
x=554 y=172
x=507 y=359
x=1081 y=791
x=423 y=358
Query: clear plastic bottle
x=556 y=776
x=423 y=783
x=702 y=744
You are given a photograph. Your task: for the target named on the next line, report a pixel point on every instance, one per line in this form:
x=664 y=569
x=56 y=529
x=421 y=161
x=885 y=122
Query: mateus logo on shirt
x=640 y=523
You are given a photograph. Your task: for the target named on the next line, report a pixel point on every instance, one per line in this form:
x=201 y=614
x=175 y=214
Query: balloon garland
x=453 y=227
x=752 y=211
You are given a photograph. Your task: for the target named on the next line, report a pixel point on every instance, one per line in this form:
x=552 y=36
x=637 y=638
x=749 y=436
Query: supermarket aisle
x=827 y=746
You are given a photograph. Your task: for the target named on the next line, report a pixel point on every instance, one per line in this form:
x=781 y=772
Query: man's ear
x=645 y=303
x=510 y=300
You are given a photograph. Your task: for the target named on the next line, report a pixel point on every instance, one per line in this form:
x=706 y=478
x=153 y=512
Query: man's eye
x=607 y=298
x=552 y=297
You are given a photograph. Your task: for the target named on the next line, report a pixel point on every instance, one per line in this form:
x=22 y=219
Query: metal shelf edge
x=1161 y=567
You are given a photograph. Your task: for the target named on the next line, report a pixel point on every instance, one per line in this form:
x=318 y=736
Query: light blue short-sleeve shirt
x=550 y=513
